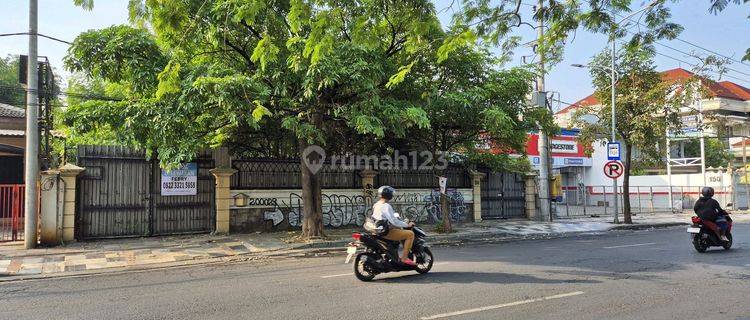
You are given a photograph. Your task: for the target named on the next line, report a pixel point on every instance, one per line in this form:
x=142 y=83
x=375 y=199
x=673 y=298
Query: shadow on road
x=477 y=277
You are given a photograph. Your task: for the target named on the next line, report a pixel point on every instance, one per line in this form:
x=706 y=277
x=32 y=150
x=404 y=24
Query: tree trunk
x=312 y=209
x=445 y=208
x=626 y=185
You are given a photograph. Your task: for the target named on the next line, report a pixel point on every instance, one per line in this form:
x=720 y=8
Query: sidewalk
x=140 y=253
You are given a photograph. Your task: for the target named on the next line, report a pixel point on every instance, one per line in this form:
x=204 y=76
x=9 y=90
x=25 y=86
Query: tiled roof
x=716 y=89
x=588 y=101
x=9 y=111
x=737 y=89
x=724 y=89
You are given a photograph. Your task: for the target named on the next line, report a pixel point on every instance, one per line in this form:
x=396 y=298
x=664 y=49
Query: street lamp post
x=613 y=78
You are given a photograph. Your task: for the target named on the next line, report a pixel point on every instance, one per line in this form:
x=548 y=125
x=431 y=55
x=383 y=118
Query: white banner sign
x=443 y=182
x=181 y=181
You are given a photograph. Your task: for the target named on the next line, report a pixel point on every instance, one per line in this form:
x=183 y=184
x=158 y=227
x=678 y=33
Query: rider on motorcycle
x=708 y=209
x=382 y=210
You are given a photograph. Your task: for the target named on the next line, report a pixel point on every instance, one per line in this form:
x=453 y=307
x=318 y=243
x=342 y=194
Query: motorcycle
x=376 y=255
x=705 y=234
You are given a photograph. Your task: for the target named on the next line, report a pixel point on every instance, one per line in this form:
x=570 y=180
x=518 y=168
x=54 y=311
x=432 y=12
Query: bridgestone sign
x=564 y=146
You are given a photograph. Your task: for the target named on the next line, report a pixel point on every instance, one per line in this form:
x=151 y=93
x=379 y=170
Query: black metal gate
x=503 y=195
x=119 y=195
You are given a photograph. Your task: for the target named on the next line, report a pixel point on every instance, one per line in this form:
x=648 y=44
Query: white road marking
x=631 y=245
x=504 y=305
x=336 y=275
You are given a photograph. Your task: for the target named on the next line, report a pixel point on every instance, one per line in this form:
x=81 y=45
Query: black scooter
x=381 y=255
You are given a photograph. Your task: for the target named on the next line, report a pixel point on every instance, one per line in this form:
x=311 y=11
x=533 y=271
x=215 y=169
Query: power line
x=38 y=34
x=692 y=55
x=693 y=44
x=66 y=93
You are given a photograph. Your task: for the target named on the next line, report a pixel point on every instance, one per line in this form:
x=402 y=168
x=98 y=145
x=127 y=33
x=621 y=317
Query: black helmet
x=386 y=192
x=707 y=192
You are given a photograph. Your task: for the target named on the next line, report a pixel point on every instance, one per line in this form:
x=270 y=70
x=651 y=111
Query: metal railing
x=11 y=212
x=593 y=201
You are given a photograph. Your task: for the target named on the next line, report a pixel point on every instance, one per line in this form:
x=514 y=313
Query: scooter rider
x=382 y=210
x=707 y=208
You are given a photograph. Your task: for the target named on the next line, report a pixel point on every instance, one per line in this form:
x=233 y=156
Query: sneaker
x=724 y=238
x=408 y=262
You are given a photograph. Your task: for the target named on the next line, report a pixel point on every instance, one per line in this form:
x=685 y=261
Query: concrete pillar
x=223 y=198
x=532 y=210
x=68 y=174
x=368 y=182
x=50 y=210
x=476 y=184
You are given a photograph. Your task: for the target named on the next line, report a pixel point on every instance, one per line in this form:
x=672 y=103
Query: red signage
x=560 y=146
x=613 y=169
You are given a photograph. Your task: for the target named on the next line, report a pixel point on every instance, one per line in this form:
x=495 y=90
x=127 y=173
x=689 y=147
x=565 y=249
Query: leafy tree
x=469 y=100
x=646 y=108
x=716 y=150
x=493 y=21
x=11 y=92
x=321 y=70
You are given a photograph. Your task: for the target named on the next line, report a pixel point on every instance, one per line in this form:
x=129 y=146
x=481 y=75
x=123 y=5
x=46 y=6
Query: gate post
x=68 y=173
x=531 y=196
x=223 y=198
x=476 y=184
x=49 y=217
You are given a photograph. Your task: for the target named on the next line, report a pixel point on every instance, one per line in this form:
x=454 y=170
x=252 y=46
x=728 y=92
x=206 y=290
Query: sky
x=727 y=33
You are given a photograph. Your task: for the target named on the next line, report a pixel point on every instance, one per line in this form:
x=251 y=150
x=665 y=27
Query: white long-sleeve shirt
x=384 y=211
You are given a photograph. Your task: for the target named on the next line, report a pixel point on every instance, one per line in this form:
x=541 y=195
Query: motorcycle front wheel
x=424 y=261
x=363 y=266
x=728 y=244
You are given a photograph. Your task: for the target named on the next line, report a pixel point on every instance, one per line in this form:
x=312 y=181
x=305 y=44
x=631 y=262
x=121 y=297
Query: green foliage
x=499 y=162
x=353 y=76
x=493 y=22
x=118 y=54
x=717 y=152
x=11 y=92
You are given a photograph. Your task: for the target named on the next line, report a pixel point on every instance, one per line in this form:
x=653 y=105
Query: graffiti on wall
x=341 y=210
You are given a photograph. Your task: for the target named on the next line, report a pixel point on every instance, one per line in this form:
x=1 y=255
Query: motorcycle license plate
x=693 y=230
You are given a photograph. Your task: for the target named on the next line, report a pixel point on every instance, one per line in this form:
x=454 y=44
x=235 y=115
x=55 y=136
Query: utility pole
x=545 y=205
x=31 y=153
x=614 y=118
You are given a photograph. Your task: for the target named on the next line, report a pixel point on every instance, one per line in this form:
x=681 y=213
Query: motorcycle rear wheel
x=699 y=244
x=362 y=269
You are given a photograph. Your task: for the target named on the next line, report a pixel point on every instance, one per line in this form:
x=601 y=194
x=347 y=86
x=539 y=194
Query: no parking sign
x=613 y=169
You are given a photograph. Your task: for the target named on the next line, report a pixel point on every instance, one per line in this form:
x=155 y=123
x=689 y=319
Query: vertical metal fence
x=594 y=201
x=11 y=212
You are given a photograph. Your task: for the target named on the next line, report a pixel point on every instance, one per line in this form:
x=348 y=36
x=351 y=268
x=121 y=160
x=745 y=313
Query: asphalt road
x=617 y=275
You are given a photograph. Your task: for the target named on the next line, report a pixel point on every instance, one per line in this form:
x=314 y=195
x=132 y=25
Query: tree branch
x=251 y=29
x=242 y=52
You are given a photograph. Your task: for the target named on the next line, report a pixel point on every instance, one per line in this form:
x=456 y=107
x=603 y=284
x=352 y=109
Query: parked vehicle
x=376 y=255
x=705 y=234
